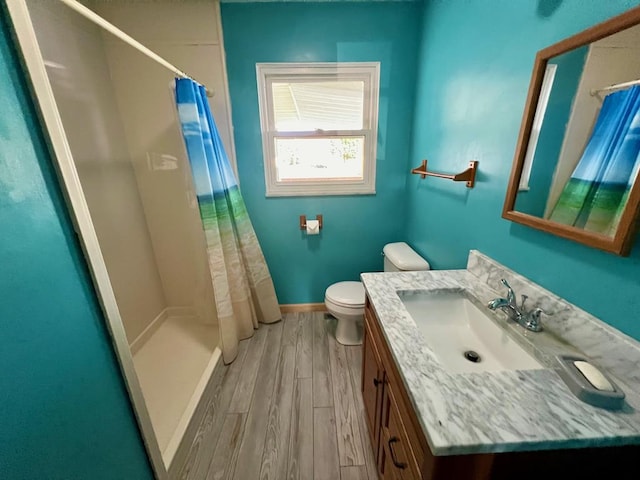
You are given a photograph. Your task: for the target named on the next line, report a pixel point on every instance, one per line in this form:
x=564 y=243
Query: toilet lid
x=346 y=294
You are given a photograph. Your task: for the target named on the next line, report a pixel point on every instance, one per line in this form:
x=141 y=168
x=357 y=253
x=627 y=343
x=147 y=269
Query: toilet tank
x=399 y=257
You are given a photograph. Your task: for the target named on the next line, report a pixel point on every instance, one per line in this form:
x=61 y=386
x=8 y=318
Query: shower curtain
x=243 y=289
x=596 y=194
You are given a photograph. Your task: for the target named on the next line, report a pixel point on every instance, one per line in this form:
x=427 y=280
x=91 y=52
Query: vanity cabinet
x=400 y=448
x=388 y=437
x=402 y=452
x=397 y=446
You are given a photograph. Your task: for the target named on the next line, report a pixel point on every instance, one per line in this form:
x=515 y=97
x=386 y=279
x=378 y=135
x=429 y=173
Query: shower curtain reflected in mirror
x=243 y=289
x=597 y=192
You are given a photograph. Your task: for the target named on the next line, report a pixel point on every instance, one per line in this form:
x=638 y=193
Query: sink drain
x=472 y=356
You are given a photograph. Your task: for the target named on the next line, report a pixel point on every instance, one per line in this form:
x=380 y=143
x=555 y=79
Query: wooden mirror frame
x=622 y=241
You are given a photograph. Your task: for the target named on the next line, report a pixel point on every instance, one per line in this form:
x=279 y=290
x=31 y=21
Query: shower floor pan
x=173 y=366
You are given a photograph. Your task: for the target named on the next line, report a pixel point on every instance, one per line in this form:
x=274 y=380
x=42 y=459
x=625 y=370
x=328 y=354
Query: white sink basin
x=452 y=325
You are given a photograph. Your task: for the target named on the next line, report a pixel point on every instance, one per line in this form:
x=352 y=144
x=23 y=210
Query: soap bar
x=594 y=376
x=589 y=383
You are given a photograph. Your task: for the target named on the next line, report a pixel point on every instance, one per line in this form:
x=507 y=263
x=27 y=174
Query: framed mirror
x=575 y=171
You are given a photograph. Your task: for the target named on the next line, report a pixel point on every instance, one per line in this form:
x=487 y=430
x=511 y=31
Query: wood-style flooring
x=288 y=408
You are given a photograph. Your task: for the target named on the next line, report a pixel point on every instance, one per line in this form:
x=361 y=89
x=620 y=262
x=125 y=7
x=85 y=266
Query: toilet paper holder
x=303 y=221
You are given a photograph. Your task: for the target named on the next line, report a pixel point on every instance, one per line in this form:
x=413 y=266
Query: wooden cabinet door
x=396 y=459
x=385 y=467
x=372 y=383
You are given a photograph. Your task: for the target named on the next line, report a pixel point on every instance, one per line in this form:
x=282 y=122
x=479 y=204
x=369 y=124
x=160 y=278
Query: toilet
x=345 y=300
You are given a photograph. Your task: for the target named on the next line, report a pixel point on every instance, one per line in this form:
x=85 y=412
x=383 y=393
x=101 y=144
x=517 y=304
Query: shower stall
x=114 y=132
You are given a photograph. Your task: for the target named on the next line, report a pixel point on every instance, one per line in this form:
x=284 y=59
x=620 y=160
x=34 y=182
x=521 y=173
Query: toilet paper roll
x=313 y=227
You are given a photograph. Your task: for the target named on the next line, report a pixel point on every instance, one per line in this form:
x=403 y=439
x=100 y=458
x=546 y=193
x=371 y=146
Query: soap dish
x=589 y=383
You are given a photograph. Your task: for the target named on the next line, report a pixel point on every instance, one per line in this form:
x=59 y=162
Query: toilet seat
x=346 y=295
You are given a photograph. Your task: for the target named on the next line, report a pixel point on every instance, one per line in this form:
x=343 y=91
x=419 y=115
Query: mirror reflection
x=583 y=153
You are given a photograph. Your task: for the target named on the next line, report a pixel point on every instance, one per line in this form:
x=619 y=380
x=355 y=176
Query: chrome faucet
x=529 y=320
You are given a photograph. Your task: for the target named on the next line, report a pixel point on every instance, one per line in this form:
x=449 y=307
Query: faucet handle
x=511 y=296
x=532 y=320
x=524 y=300
x=536 y=312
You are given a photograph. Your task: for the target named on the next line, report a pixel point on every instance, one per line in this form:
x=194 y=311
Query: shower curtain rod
x=595 y=91
x=101 y=22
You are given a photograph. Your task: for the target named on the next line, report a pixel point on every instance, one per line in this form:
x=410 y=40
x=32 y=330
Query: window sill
x=301 y=190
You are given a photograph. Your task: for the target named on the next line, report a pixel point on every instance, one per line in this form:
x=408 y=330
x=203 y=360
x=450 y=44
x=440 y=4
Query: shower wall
x=186 y=35
x=163 y=175
x=77 y=67
x=120 y=118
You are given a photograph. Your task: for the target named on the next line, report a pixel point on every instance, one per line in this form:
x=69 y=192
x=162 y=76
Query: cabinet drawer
x=399 y=453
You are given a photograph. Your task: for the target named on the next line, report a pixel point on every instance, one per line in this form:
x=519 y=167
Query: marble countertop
x=504 y=411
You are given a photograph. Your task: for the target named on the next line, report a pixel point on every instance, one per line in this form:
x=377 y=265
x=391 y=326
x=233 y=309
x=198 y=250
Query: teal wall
x=64 y=411
x=565 y=86
x=474 y=67
x=356 y=227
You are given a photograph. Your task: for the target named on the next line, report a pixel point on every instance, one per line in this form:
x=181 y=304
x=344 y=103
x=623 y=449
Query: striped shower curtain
x=597 y=192
x=242 y=285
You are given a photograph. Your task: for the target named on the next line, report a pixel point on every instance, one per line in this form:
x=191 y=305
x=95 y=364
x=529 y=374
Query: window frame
x=269 y=73
x=543 y=102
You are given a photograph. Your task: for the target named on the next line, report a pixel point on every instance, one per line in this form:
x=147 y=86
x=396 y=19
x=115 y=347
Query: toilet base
x=349 y=332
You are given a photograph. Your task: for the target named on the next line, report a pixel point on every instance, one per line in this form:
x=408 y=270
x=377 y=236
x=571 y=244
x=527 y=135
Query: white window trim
x=541 y=109
x=266 y=73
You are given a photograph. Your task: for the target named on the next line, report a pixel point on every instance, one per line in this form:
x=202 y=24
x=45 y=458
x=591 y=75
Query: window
x=319 y=127
x=545 y=93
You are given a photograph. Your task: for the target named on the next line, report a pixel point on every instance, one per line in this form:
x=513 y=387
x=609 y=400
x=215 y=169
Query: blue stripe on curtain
x=243 y=289
x=596 y=194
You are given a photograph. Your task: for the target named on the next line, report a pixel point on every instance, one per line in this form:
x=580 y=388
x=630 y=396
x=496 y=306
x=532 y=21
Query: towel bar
x=469 y=175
